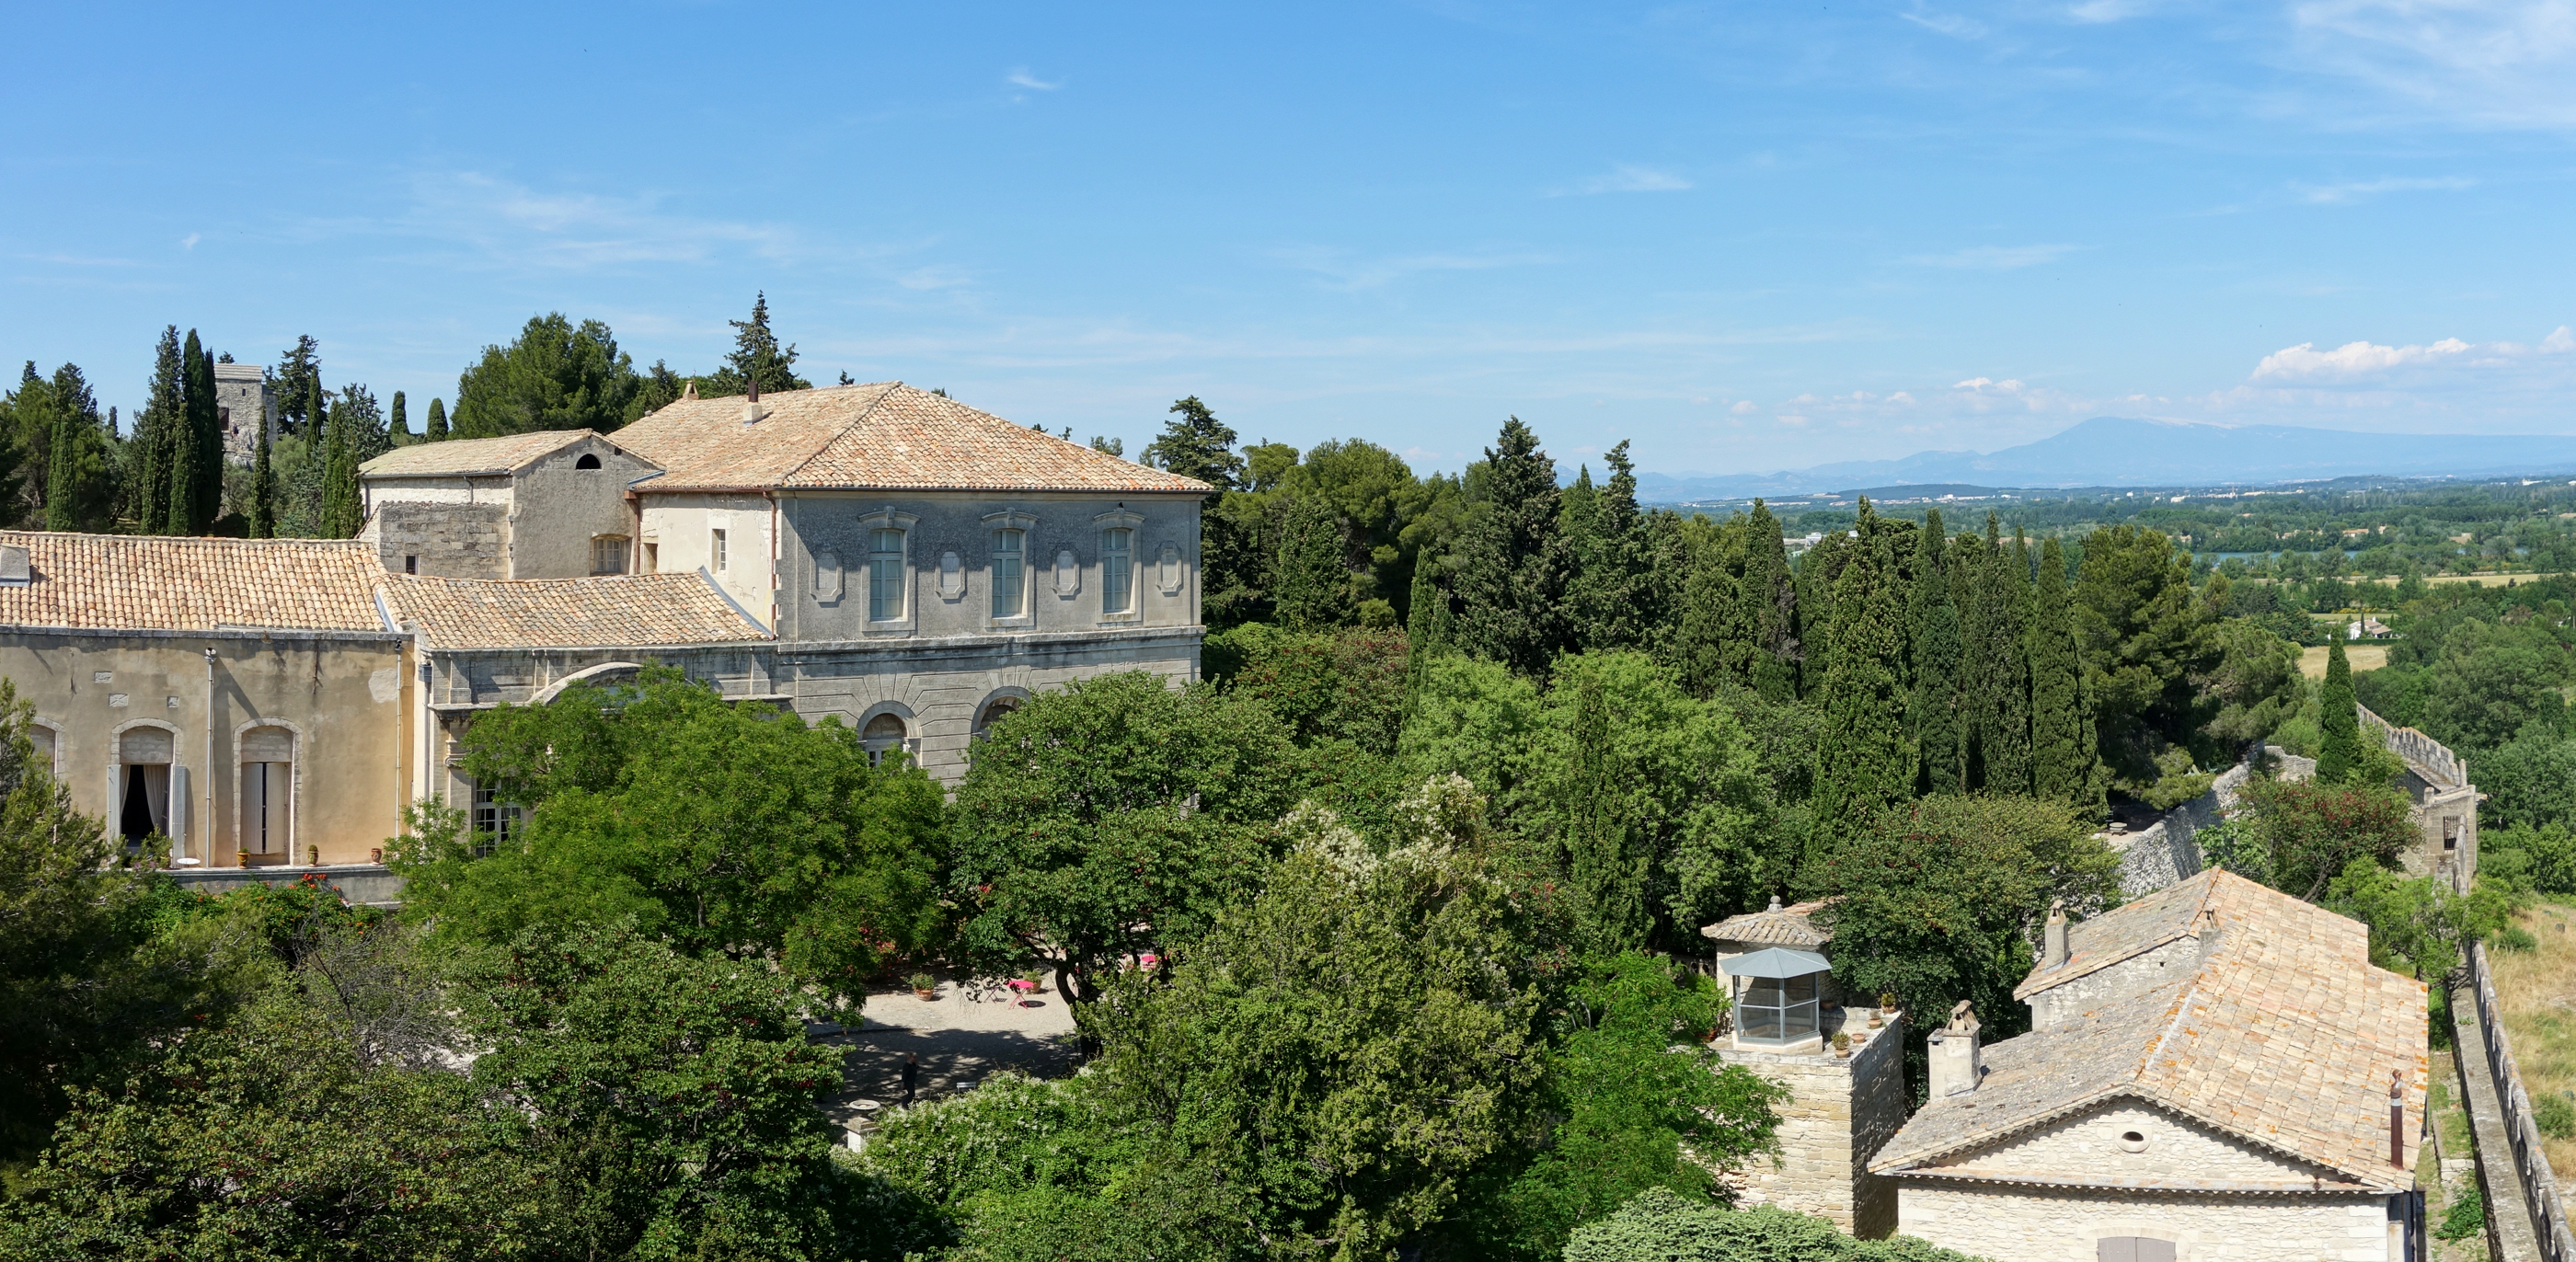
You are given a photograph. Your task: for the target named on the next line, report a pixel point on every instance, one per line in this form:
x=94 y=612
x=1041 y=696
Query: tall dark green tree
x=1932 y=705
x=1311 y=583
x=59 y=475
x=31 y=421
x=263 y=490
x=1995 y=674
x=194 y=460
x=1426 y=630
x=2338 y=722
x=557 y=375
x=434 y=429
x=298 y=381
x=83 y=474
x=1612 y=592
x=397 y=427
x=756 y=356
x=155 y=441
x=2063 y=764
x=339 y=473
x=1511 y=583
x=1863 y=765
x=1770 y=595
x=1195 y=444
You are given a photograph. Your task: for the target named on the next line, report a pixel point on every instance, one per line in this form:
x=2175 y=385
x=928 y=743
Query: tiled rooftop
x=616 y=611
x=164 y=583
x=884 y=436
x=2285 y=1036
x=1779 y=926
x=456 y=457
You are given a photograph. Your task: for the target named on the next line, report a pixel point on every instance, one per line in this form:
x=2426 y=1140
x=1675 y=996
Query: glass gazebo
x=1779 y=999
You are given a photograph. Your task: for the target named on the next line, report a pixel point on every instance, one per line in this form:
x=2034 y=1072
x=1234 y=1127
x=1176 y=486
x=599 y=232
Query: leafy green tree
x=1113 y=819
x=2529 y=782
x=31 y=418
x=756 y=357
x=1474 y=719
x=2252 y=689
x=1633 y=1100
x=1346 y=685
x=1342 y=1053
x=1863 y=764
x=2492 y=682
x=1658 y=1225
x=1197 y=445
x=2309 y=831
x=1511 y=583
x=1311 y=584
x=2420 y=926
x=2065 y=762
x=1932 y=704
x=1613 y=593
x=153 y=446
x=554 y=375
x=728 y=829
x=2340 y=752
x=434 y=428
x=1233 y=569
x=1770 y=593
x=80 y=479
x=1941 y=900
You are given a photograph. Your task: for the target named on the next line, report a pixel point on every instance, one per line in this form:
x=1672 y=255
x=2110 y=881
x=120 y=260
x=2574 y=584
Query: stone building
x=546 y=505
x=244 y=404
x=1842 y=1105
x=2445 y=804
x=2216 y=1071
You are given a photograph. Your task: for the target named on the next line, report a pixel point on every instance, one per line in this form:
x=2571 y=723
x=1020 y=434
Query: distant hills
x=2117 y=451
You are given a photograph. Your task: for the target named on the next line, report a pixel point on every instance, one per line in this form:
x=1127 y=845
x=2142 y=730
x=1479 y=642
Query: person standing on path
x=911 y=1074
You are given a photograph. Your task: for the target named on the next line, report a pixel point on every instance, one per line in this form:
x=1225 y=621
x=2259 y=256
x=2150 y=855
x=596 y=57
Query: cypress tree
x=1932 y=714
x=2339 y=753
x=187 y=441
x=263 y=490
x=397 y=429
x=1602 y=856
x=1862 y=763
x=434 y=429
x=2063 y=764
x=1769 y=592
x=156 y=433
x=1995 y=676
x=1712 y=646
x=1511 y=589
x=61 y=459
x=1426 y=628
x=339 y=476
x=1612 y=591
x=1312 y=580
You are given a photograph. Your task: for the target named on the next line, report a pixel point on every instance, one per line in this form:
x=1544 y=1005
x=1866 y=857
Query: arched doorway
x=884 y=732
x=995 y=710
x=144 y=756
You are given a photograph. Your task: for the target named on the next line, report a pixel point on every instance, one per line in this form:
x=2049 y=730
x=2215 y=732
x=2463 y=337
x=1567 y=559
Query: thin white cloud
x=527 y=227
x=1345 y=270
x=1950 y=24
x=2496 y=62
x=2371 y=363
x=1625 y=178
x=1745 y=408
x=2342 y=194
x=2096 y=12
x=1995 y=258
x=189 y=242
x=1021 y=78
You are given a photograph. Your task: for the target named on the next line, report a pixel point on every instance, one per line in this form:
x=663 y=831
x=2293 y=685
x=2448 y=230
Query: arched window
x=143 y=801
x=994 y=712
x=1117 y=571
x=1010 y=573
x=589 y=460
x=885 y=575
x=884 y=732
x=268 y=791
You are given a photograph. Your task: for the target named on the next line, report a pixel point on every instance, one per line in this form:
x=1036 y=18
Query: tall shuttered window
x=1117 y=571
x=1010 y=573
x=885 y=575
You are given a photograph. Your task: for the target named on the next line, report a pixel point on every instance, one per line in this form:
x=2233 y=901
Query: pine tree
x=397 y=428
x=1612 y=590
x=756 y=357
x=1862 y=763
x=434 y=429
x=1932 y=713
x=2338 y=720
x=1511 y=587
x=1311 y=577
x=155 y=429
x=2064 y=766
x=298 y=379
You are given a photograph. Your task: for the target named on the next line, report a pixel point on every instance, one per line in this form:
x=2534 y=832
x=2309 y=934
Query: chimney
x=690 y=391
x=2396 y=1120
x=1956 y=1062
x=2053 y=938
x=751 y=412
x=2208 y=932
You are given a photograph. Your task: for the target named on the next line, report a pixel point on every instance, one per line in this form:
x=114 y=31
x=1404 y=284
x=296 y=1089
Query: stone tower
x=243 y=402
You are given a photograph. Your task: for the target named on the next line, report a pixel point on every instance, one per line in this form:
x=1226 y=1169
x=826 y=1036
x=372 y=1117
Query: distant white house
x=2368 y=628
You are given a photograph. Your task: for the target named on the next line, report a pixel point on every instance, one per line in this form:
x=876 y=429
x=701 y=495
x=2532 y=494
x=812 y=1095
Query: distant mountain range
x=2116 y=451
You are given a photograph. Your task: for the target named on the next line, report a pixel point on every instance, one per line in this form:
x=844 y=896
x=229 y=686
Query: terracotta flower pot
x=921 y=993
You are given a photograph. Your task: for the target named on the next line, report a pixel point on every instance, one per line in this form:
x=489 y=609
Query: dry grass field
x=2537 y=991
x=2312 y=662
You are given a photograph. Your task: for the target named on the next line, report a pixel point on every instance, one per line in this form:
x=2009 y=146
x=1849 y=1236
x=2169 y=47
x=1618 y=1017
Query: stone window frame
x=294 y=784
x=116 y=782
x=869 y=524
x=625 y=553
x=1133 y=522
x=62 y=736
x=912 y=725
x=1027 y=525
x=1019 y=696
x=2186 y=1241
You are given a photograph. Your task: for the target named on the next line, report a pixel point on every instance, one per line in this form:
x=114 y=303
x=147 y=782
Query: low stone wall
x=2167 y=851
x=2530 y=1162
x=366 y=884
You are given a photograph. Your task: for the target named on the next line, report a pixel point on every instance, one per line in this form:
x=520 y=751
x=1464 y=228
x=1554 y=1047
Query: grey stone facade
x=445 y=539
x=1839 y=1111
x=244 y=403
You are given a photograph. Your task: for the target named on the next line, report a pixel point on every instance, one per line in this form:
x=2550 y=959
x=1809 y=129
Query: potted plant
x=1842 y=1045
x=1887 y=1001
x=924 y=986
x=241 y=858
x=1036 y=980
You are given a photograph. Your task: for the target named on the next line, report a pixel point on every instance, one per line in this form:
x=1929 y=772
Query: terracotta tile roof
x=162 y=583
x=884 y=436
x=458 y=456
x=1778 y=926
x=2285 y=1036
x=617 y=611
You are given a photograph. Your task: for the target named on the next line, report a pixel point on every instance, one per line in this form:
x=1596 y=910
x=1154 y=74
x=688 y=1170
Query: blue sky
x=1746 y=236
